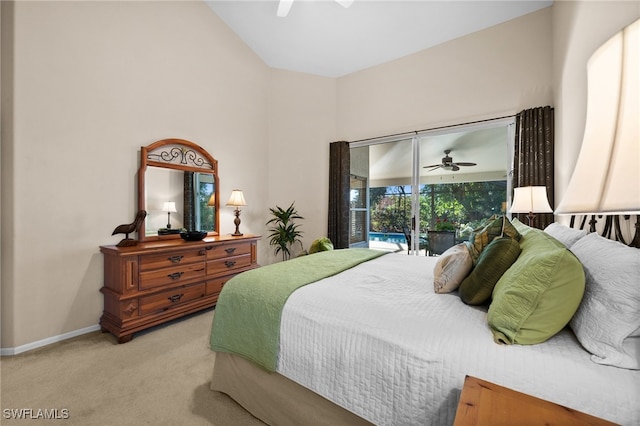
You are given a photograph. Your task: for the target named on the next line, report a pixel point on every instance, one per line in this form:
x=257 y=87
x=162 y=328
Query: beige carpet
x=161 y=377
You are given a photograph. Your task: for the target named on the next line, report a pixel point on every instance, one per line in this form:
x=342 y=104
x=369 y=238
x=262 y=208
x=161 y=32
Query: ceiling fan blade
x=465 y=164
x=433 y=166
x=454 y=168
x=345 y=3
x=283 y=7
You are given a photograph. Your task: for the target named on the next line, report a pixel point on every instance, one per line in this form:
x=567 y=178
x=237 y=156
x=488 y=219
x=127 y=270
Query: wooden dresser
x=157 y=281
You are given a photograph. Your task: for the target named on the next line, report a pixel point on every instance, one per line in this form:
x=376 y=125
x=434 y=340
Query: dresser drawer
x=170 y=298
x=174 y=276
x=164 y=260
x=214 y=286
x=228 y=250
x=227 y=265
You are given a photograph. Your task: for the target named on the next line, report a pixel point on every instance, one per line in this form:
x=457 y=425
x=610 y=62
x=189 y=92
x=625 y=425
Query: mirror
x=178 y=188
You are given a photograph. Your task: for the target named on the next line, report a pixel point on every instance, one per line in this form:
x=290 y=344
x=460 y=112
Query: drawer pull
x=229 y=263
x=175 y=275
x=175 y=259
x=175 y=297
x=230 y=250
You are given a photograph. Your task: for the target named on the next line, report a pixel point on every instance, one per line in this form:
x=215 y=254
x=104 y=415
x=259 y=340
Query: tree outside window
x=453 y=206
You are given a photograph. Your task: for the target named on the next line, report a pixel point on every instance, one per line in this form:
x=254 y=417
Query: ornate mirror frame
x=181 y=155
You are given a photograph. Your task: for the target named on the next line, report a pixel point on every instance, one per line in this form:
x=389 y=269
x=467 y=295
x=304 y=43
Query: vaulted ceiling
x=323 y=38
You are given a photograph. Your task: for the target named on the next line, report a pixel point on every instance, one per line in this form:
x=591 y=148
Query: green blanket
x=247 y=317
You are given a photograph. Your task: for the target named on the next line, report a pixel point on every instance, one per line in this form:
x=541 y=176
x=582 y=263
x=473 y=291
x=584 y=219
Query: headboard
x=611 y=227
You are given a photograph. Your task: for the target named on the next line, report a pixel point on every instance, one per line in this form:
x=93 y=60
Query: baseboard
x=49 y=340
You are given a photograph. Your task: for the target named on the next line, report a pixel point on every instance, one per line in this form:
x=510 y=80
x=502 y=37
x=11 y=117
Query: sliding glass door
x=422 y=193
x=386 y=169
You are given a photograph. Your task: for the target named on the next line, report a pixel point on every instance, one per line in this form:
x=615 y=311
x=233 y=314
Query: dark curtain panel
x=533 y=161
x=189 y=214
x=339 y=168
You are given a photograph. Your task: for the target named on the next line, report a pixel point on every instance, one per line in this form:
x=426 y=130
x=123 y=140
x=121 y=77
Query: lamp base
x=530 y=216
x=236 y=221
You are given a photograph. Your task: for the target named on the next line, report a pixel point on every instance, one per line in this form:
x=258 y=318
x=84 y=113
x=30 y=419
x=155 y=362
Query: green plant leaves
x=284 y=232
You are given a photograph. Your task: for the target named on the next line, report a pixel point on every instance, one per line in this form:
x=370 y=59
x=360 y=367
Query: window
x=358 y=211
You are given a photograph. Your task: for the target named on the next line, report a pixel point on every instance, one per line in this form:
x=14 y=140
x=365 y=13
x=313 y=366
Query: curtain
x=339 y=168
x=187 y=205
x=533 y=157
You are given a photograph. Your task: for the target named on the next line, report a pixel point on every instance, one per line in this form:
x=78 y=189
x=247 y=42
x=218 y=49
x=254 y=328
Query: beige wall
x=93 y=81
x=488 y=74
x=302 y=124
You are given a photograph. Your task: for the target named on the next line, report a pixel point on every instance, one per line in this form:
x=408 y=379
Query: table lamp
x=236 y=200
x=169 y=207
x=530 y=200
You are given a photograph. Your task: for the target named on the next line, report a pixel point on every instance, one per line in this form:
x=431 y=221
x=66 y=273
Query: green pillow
x=321 y=244
x=520 y=227
x=487 y=232
x=494 y=260
x=537 y=296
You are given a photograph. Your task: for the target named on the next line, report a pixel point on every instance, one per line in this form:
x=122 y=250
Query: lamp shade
x=236 y=199
x=607 y=174
x=530 y=199
x=169 y=206
x=212 y=200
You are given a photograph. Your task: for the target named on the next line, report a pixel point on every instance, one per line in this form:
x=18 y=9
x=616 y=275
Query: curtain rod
x=388 y=138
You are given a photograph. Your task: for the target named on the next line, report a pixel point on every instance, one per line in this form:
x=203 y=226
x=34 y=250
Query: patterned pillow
x=487 y=232
x=451 y=268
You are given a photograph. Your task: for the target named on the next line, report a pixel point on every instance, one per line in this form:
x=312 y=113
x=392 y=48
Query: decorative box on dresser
x=157 y=281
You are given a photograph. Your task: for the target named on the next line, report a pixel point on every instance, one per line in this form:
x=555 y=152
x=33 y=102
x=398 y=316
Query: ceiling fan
x=285 y=5
x=448 y=164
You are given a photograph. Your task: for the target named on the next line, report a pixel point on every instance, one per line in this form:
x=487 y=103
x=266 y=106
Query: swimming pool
x=388 y=237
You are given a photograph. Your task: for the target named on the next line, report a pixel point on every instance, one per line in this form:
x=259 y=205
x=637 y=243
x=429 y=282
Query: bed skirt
x=273 y=398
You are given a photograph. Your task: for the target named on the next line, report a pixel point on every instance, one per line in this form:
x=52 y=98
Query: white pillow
x=564 y=234
x=609 y=315
x=452 y=267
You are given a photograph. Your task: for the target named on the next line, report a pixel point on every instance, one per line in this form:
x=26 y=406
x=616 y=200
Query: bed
x=375 y=341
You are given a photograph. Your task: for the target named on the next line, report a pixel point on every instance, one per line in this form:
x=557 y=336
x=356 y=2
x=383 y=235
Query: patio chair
x=423 y=242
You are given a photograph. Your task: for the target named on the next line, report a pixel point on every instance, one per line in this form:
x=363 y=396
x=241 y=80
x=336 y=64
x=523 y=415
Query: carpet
x=161 y=377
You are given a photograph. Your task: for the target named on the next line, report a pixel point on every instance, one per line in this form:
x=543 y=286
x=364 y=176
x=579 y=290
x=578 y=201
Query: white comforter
x=379 y=342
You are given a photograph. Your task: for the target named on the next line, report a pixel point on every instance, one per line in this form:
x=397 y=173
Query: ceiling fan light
x=283 y=8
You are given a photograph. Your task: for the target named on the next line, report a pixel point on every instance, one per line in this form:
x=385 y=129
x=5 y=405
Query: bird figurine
x=128 y=228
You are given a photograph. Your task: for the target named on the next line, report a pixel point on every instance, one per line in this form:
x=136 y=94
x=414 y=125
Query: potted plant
x=444 y=225
x=442 y=236
x=284 y=232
